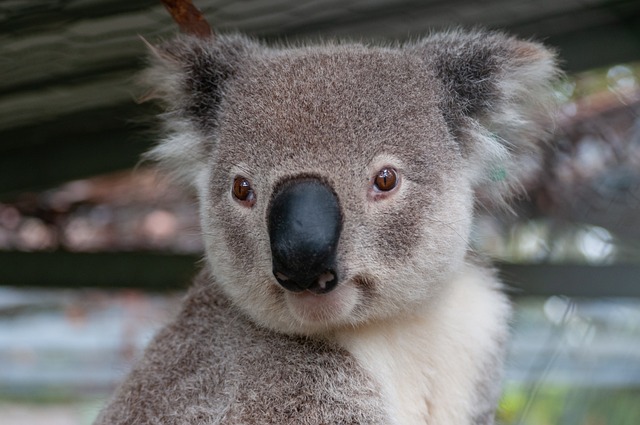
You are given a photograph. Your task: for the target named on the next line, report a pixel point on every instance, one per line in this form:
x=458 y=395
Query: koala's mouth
x=327 y=307
x=323 y=284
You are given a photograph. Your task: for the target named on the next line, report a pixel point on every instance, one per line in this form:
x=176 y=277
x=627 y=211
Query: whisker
x=450 y=224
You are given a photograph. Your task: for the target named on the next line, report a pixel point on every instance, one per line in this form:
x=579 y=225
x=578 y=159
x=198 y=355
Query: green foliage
x=558 y=405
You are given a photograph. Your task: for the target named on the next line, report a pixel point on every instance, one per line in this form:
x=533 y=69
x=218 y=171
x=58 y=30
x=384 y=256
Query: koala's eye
x=386 y=179
x=243 y=192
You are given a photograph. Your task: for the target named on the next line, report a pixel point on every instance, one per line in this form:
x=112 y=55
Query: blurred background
x=96 y=249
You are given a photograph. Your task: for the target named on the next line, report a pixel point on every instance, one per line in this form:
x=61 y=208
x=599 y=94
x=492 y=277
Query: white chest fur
x=429 y=363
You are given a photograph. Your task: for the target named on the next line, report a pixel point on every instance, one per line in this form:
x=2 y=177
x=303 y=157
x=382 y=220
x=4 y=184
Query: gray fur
x=461 y=116
x=232 y=371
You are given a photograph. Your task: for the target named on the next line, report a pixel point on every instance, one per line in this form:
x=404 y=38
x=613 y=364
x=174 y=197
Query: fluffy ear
x=188 y=76
x=498 y=101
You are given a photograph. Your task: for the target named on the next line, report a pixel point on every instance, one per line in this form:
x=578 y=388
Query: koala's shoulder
x=212 y=365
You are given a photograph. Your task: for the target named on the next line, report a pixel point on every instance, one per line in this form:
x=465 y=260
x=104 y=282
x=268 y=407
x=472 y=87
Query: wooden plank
x=153 y=271
x=572 y=280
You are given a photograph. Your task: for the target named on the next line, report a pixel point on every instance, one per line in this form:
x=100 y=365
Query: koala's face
x=336 y=183
x=333 y=194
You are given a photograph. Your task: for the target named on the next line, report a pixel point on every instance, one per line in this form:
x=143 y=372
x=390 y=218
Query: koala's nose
x=304 y=228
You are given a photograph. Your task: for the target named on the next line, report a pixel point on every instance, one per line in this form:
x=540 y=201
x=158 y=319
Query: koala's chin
x=323 y=311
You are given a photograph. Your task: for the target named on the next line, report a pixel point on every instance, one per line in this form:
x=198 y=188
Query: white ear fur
x=181 y=152
x=189 y=75
x=513 y=132
x=499 y=101
x=180 y=149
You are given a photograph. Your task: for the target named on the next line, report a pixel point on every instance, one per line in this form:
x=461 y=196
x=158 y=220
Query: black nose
x=304 y=228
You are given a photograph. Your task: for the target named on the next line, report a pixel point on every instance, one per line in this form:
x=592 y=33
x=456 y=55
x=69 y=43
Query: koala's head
x=337 y=183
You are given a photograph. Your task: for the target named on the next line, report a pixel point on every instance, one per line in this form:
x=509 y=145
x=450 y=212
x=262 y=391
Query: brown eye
x=242 y=191
x=386 y=179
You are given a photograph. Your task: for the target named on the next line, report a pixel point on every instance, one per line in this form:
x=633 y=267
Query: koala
x=337 y=187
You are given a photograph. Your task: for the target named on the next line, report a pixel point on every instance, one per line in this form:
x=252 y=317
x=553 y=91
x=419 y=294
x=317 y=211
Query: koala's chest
x=429 y=364
x=403 y=373
x=406 y=369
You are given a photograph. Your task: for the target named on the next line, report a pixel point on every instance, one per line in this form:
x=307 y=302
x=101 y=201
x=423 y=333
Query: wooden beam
x=107 y=270
x=572 y=280
x=152 y=271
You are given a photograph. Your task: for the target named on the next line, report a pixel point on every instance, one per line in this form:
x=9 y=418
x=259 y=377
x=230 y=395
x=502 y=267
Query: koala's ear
x=188 y=76
x=498 y=101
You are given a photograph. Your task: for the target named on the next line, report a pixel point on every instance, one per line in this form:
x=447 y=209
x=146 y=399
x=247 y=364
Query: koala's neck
x=441 y=364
